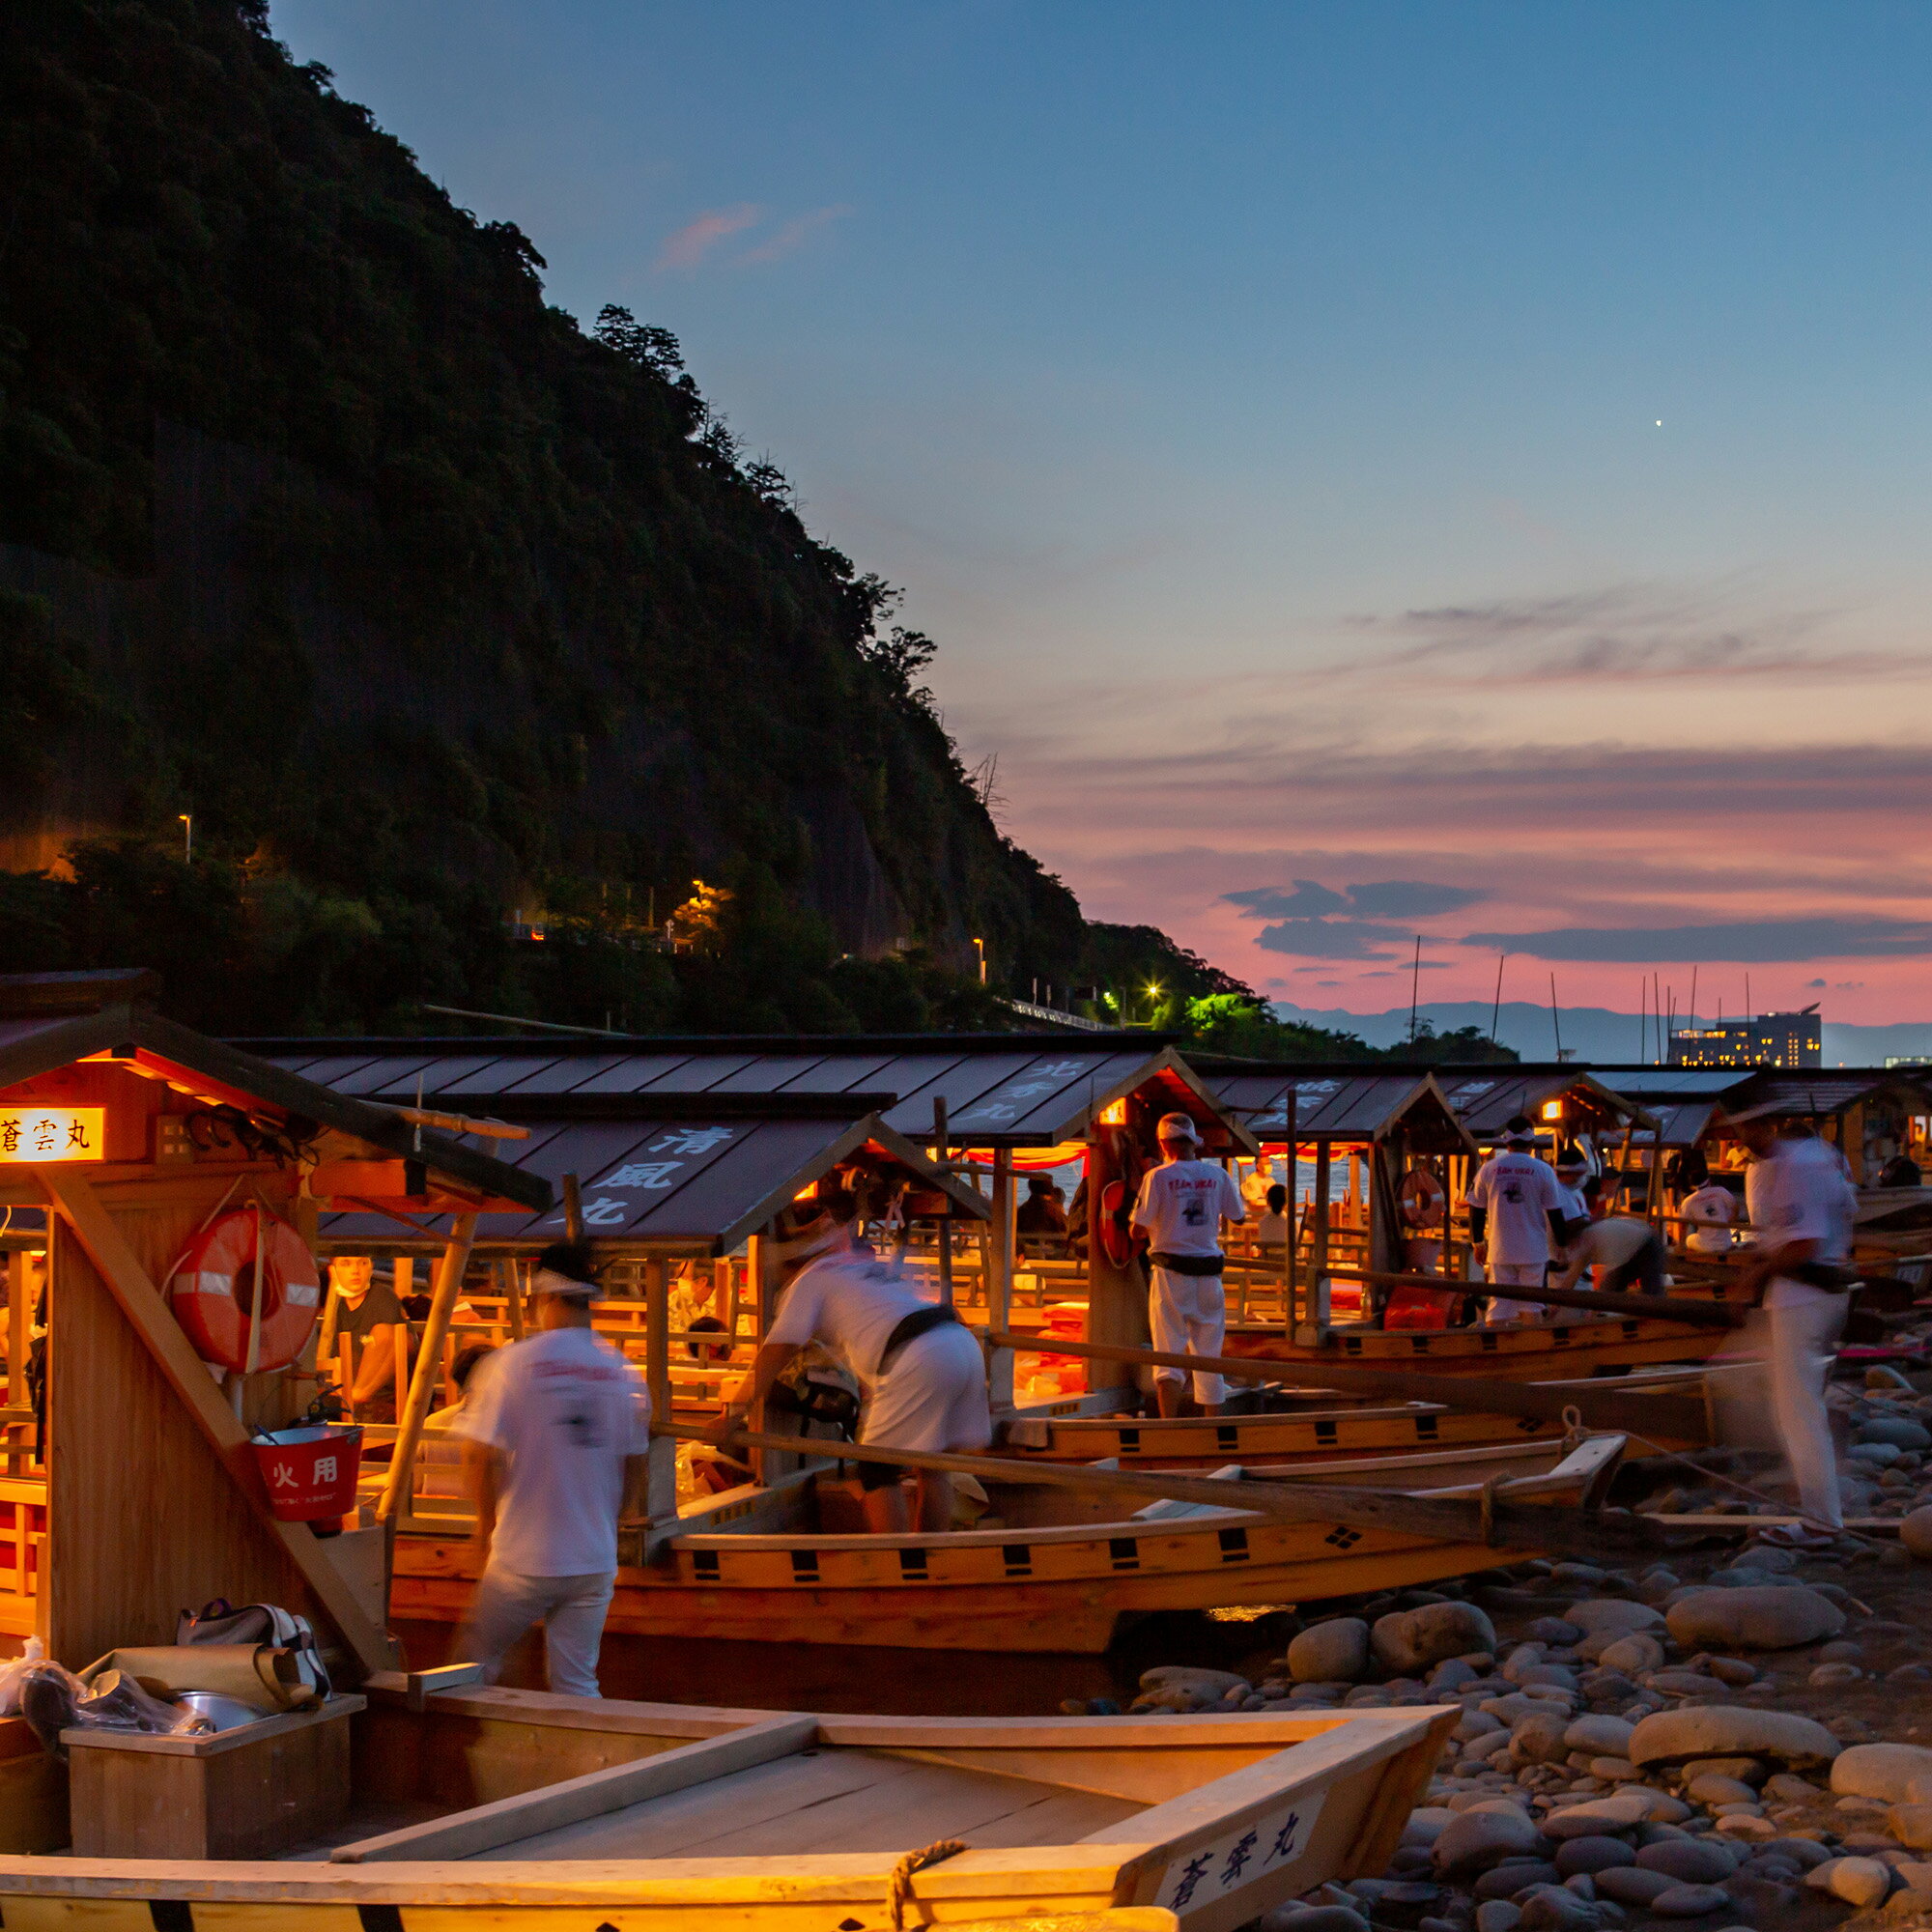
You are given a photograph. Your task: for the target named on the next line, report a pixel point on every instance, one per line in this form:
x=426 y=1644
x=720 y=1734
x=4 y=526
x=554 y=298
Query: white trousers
x=570 y=1609
x=1188 y=1313
x=933 y=1395
x=1514 y=1274
x=1794 y=1345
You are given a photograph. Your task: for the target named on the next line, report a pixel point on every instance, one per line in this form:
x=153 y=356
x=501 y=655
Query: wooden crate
x=243 y=1793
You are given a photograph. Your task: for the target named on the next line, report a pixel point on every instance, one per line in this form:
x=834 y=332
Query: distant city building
x=1772 y=1039
x=1909 y=1060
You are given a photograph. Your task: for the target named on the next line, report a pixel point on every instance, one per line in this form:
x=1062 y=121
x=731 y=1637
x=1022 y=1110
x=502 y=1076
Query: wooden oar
x=1659 y=1307
x=1683 y=1417
x=1502 y=1525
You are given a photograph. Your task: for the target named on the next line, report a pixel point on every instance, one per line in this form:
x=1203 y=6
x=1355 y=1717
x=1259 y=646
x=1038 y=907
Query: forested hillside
x=371 y=633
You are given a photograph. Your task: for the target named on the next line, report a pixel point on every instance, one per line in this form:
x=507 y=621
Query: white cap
x=547 y=1281
x=1177 y=1128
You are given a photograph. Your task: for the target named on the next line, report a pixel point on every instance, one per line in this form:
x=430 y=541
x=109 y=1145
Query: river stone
x=1538 y=1740
x=1689 y=1901
x=1617 y=1616
x=1210 y=1684
x=1731 y=1730
x=1313 y=1918
x=1857 y=1882
x=1757 y=1617
x=1897 y=1430
x=1556 y=1910
x=1408 y=1640
x=1632 y=1885
x=1553 y=1630
x=1637 y=1652
x=1880 y=1771
x=1914 y=1532
x=1596 y=1817
x=1710 y=1789
x=1425 y=1824
x=1689 y=1860
x=1600 y=1736
x=1514 y=1875
x=1498 y=1915
x=1472 y=1842
x=1516 y=1707
x=1592 y=1855
x=1331 y=1652
x=1912 y=1824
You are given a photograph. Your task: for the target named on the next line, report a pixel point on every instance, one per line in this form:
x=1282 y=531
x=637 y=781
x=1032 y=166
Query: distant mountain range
x=1590 y=1033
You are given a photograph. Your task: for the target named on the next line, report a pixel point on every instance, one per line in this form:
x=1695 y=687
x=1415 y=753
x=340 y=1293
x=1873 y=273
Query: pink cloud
x=696 y=239
x=796 y=232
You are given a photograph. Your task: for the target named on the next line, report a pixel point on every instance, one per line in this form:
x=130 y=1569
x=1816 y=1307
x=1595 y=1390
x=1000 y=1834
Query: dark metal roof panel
x=630 y=1072
x=1050 y=1094
x=847 y=1073
x=696 y=1073
x=769 y=1073
x=963 y=1082
x=1327 y=1104
x=1679 y=1122
x=497 y=1077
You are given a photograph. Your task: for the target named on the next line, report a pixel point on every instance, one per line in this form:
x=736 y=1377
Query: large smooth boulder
x=1912 y=1826
x=1732 y=1730
x=1596 y=1817
x=1330 y=1653
x=1538 y=1741
x=1757 y=1617
x=1472 y=1842
x=1896 y=1430
x=1618 y=1616
x=1689 y=1901
x=1592 y=1855
x=1880 y=1771
x=1412 y=1640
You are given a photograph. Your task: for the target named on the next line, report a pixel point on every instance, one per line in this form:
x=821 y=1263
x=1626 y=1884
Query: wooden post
x=1002 y=1243
x=1318 y=1260
x=514 y=1281
x=660 y=1487
x=345 y=1373
x=1289 y=1246
x=573 y=1209
x=761 y=1283
x=410 y=1416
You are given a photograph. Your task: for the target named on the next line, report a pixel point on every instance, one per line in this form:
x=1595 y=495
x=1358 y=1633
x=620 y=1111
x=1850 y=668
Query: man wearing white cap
x=921 y=1376
x=556 y=1432
x=1180 y=1210
x=1801 y=1205
x=1515 y=1204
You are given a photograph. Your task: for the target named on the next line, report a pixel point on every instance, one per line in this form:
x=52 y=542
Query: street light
x=188 y=835
x=981 y=945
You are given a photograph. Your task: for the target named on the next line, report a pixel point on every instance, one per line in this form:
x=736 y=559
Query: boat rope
x=899 y=1890
x=1816 y=1523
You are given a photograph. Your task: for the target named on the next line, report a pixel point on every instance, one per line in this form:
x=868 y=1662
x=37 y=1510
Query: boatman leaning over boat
x=1516 y=1211
x=921 y=1377
x=1180 y=1210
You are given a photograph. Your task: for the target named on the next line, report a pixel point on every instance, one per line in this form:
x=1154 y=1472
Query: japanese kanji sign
x=1260 y=1848
x=52 y=1133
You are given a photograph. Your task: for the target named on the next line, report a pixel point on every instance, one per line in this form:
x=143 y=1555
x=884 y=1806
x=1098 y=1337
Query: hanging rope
x=898 y=1891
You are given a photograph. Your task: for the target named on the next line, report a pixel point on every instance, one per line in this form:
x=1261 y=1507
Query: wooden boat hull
x=1066 y=1587
x=1390 y=1444
x=1530 y=1353
x=1070 y=1825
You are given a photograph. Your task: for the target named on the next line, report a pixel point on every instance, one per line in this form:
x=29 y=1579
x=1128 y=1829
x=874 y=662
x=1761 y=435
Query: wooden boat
x=1061 y=1571
x=522 y=1807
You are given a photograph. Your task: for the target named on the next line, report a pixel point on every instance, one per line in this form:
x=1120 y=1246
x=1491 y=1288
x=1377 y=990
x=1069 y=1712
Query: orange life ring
x=212 y=1288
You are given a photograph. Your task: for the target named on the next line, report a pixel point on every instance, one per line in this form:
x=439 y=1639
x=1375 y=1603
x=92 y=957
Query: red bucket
x=310 y=1472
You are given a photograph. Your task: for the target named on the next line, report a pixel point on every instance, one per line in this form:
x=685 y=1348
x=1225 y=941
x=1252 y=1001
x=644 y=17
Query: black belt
x=1195 y=1264
x=910 y=1327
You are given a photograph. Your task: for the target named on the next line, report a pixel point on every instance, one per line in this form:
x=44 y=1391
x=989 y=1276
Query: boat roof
x=675 y=1175
x=1339 y=1103
x=37 y=1041
x=1488 y=1096
x=1000 y=1089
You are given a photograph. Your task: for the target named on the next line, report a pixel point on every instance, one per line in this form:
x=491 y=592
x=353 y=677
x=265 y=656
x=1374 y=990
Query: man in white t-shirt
x=922 y=1375
x=1516 y=1207
x=557 y=1430
x=1801 y=1207
x=1712 y=1211
x=1180 y=1210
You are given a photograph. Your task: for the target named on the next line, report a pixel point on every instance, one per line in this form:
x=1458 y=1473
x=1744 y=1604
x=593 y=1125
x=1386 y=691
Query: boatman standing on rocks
x=921 y=1373
x=556 y=1433
x=1180 y=1210
x=1802 y=1205
x=1515 y=1209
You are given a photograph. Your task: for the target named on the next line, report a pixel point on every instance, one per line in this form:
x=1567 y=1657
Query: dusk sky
x=1371 y=469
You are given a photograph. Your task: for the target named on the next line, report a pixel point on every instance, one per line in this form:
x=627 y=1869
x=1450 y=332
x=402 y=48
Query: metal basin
x=225 y=1714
